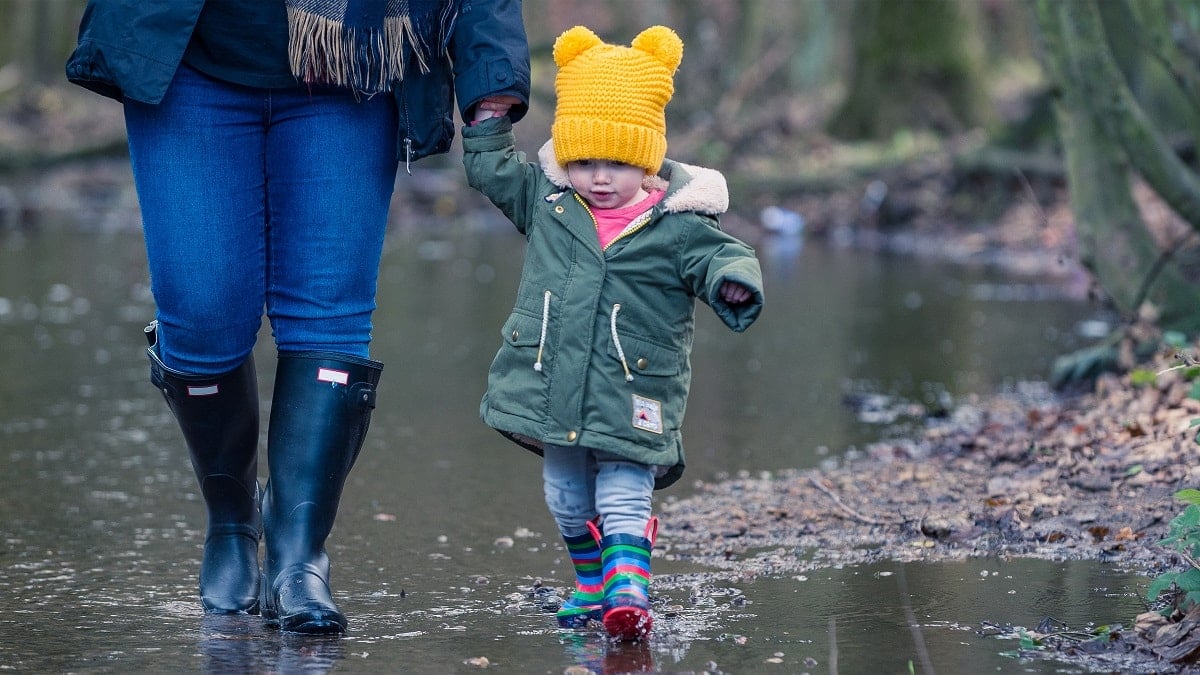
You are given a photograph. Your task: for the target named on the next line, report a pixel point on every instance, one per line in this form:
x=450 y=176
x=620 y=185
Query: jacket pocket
x=521 y=330
x=650 y=402
x=645 y=357
x=515 y=386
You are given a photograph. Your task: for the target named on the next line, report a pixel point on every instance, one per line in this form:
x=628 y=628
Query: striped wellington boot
x=625 y=609
x=584 y=603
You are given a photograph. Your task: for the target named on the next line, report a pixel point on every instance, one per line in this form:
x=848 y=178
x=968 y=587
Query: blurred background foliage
x=758 y=76
x=775 y=79
x=796 y=99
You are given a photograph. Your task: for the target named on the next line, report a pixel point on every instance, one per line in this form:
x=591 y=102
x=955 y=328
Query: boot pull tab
x=362 y=394
x=652 y=529
x=594 y=529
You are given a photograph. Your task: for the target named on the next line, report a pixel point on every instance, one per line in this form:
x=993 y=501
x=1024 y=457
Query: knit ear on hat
x=662 y=43
x=572 y=43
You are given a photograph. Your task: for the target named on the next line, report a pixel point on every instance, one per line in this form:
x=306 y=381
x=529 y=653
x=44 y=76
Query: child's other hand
x=494 y=106
x=734 y=293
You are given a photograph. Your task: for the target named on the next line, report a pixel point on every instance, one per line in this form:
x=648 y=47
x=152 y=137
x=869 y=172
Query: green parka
x=596 y=351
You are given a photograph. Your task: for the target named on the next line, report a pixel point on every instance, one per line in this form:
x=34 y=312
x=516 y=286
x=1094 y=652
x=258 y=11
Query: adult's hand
x=494 y=106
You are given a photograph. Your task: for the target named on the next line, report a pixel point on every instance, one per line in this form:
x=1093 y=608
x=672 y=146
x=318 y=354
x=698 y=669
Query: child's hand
x=734 y=293
x=494 y=106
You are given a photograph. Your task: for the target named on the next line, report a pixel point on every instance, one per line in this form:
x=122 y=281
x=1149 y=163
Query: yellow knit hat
x=611 y=98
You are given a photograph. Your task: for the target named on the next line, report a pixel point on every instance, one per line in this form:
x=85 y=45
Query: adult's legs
x=218 y=415
x=197 y=161
x=330 y=173
x=331 y=170
x=319 y=418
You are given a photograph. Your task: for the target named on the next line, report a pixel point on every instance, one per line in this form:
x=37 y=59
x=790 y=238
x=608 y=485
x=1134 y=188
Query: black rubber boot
x=319 y=418
x=218 y=415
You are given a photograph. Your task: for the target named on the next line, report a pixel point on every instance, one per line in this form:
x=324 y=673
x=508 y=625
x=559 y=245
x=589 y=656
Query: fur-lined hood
x=689 y=188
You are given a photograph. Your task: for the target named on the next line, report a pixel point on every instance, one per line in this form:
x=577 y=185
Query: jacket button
x=571 y=436
x=642 y=363
x=515 y=335
x=559 y=209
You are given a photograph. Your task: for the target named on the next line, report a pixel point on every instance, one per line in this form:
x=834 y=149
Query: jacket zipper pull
x=408 y=153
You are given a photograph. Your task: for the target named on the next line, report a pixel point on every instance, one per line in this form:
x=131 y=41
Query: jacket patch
x=647 y=414
x=551 y=198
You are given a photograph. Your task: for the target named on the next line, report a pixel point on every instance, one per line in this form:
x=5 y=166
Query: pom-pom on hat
x=611 y=98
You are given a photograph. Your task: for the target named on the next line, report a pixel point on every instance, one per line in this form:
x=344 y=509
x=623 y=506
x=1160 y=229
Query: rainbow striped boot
x=584 y=603
x=625 y=609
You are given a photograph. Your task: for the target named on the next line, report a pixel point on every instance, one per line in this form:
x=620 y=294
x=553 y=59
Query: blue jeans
x=581 y=484
x=254 y=198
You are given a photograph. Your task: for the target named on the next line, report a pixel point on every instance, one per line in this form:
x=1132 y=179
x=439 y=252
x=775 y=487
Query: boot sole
x=212 y=609
x=578 y=620
x=308 y=623
x=313 y=624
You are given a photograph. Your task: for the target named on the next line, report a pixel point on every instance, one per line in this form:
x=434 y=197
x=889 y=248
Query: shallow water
x=442 y=534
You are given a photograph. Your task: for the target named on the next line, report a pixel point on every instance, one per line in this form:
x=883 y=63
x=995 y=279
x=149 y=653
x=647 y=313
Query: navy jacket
x=130 y=49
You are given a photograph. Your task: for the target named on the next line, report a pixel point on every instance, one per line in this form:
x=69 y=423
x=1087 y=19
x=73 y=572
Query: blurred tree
x=1106 y=133
x=37 y=36
x=917 y=64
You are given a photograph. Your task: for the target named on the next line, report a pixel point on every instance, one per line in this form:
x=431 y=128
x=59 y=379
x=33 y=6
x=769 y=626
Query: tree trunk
x=1101 y=128
x=913 y=69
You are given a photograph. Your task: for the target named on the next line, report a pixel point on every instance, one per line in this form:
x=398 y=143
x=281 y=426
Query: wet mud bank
x=1030 y=472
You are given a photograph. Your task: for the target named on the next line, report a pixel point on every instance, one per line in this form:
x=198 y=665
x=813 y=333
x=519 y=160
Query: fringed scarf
x=361 y=44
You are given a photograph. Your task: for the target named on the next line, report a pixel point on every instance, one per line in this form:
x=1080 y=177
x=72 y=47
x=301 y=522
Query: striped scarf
x=362 y=44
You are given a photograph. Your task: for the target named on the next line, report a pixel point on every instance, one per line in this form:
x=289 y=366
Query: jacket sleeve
x=130 y=49
x=495 y=168
x=490 y=53
x=710 y=257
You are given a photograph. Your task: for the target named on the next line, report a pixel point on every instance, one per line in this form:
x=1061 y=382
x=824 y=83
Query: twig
x=1033 y=198
x=913 y=627
x=1160 y=263
x=833 y=647
x=1188 y=362
x=1190 y=560
x=842 y=505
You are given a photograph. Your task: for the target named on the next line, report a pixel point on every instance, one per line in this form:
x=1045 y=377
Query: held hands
x=494 y=106
x=734 y=293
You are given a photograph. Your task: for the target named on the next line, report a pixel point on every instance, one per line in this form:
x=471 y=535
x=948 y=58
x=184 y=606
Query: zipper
x=633 y=226
x=408 y=144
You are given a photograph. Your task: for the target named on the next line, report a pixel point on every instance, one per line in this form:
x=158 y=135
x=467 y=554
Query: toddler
x=594 y=370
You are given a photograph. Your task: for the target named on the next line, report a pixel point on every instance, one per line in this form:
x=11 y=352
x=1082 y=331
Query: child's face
x=606 y=184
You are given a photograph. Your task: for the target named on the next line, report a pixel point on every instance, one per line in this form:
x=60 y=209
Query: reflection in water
x=240 y=644
x=595 y=652
x=103 y=526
